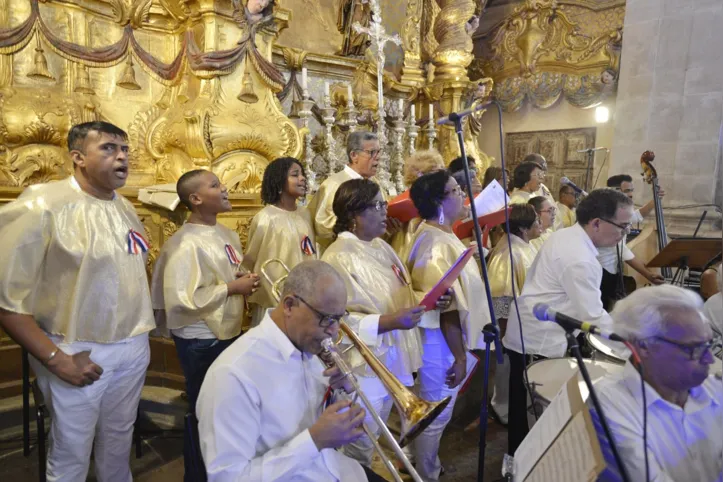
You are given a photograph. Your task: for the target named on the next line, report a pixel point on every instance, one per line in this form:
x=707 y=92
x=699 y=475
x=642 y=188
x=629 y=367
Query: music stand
x=684 y=253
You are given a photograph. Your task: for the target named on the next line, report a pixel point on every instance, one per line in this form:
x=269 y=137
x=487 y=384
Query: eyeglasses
x=624 y=227
x=696 y=351
x=378 y=205
x=373 y=153
x=552 y=209
x=325 y=320
x=455 y=190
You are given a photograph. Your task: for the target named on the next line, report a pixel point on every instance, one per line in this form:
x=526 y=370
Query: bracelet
x=52 y=355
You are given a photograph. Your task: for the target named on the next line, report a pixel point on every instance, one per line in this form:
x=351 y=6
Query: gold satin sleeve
x=500 y=270
x=403 y=240
x=321 y=208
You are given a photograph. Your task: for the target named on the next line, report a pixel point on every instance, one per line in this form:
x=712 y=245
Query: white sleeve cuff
x=430 y=319
x=369 y=330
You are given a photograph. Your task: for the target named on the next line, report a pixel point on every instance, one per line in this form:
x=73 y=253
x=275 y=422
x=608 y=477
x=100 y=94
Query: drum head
x=614 y=350
x=548 y=376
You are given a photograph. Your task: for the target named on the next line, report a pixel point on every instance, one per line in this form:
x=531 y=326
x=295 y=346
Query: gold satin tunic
x=65 y=261
x=321 y=207
x=373 y=288
x=402 y=241
x=190 y=276
x=567 y=216
x=500 y=271
x=538 y=242
x=276 y=233
x=429 y=258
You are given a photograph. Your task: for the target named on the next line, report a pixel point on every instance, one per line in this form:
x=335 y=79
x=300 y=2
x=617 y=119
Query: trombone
x=416 y=413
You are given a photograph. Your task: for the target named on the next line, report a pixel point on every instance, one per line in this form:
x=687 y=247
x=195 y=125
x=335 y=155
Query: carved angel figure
x=250 y=12
x=351 y=12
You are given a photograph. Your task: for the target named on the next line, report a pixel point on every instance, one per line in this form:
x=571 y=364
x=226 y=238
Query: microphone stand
x=575 y=349
x=491 y=331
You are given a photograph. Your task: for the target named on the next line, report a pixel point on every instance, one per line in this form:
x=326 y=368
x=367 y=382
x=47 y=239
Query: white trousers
x=96 y=417
x=436 y=360
x=362 y=449
x=501 y=393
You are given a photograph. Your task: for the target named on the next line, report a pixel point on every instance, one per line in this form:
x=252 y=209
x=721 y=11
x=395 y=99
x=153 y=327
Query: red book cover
x=464 y=229
x=430 y=299
x=402 y=208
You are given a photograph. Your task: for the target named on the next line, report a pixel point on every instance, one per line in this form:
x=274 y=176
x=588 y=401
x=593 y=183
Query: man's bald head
x=319 y=284
x=187 y=184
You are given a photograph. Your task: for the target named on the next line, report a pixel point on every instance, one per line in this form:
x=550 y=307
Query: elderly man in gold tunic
x=74 y=293
x=382 y=306
x=363 y=150
x=282 y=230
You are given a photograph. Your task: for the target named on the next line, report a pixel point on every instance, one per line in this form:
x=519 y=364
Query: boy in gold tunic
x=73 y=286
x=197 y=287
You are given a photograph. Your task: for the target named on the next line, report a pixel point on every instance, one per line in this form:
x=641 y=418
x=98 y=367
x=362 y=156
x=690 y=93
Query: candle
x=411 y=112
x=349 y=95
x=304 y=79
x=326 y=89
x=431 y=112
x=401 y=107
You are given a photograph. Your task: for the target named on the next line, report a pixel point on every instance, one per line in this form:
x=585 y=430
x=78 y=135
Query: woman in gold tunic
x=526 y=180
x=524 y=227
x=281 y=230
x=382 y=307
x=547 y=210
x=447 y=334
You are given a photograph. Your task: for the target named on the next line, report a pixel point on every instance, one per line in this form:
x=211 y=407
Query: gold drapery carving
x=539 y=54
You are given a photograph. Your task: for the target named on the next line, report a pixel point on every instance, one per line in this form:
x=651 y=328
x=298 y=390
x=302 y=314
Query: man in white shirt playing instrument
x=684 y=399
x=612 y=257
x=565 y=275
x=74 y=293
x=261 y=408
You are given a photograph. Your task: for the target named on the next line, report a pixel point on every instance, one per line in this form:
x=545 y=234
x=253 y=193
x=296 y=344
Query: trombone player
x=261 y=407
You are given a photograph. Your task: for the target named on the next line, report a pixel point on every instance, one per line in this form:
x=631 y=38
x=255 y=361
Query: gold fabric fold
x=276 y=233
x=373 y=288
x=567 y=216
x=538 y=242
x=432 y=253
x=321 y=208
x=402 y=241
x=519 y=196
x=500 y=271
x=190 y=276
x=66 y=261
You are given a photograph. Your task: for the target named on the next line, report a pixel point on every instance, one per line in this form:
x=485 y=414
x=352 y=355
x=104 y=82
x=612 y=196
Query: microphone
x=593 y=149
x=452 y=117
x=543 y=312
x=567 y=182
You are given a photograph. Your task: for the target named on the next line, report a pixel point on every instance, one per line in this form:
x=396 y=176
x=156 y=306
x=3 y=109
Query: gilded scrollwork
x=544 y=50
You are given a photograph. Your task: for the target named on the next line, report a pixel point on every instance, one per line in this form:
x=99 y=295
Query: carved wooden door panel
x=559 y=148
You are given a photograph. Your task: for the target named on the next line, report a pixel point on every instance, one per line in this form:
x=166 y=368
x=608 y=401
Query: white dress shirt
x=608 y=256
x=256 y=405
x=565 y=275
x=684 y=444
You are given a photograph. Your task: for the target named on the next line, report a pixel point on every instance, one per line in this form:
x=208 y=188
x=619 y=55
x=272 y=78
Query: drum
x=608 y=350
x=548 y=376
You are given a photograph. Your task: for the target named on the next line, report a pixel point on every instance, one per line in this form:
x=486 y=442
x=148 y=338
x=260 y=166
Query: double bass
x=653 y=238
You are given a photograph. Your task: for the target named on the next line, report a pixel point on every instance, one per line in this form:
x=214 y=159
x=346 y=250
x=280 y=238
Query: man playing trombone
x=261 y=407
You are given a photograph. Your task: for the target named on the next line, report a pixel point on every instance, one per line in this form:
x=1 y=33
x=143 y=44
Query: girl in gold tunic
x=547 y=210
x=448 y=335
x=381 y=304
x=281 y=230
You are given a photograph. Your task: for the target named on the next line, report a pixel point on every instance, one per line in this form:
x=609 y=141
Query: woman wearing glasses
x=526 y=180
x=448 y=333
x=547 y=211
x=380 y=301
x=281 y=230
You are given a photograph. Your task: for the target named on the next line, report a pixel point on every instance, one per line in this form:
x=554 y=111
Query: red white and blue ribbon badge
x=307 y=246
x=400 y=274
x=137 y=244
x=232 y=256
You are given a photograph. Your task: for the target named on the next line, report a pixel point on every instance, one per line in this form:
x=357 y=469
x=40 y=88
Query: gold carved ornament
x=538 y=55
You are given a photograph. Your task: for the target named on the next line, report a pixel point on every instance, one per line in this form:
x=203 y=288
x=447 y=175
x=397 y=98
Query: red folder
x=465 y=229
x=402 y=208
x=430 y=300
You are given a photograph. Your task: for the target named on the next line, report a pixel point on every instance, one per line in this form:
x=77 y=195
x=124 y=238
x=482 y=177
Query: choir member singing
x=447 y=334
x=566 y=205
x=547 y=211
x=198 y=290
x=362 y=149
x=261 y=408
x=282 y=230
x=74 y=294
x=684 y=399
x=565 y=275
x=503 y=272
x=526 y=180
x=456 y=168
x=380 y=301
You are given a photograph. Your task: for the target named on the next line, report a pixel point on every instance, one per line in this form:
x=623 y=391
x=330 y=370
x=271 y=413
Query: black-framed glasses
x=325 y=320
x=377 y=205
x=696 y=351
x=373 y=153
x=624 y=227
x=456 y=190
x=551 y=209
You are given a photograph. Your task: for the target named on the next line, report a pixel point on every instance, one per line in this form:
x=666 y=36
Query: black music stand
x=684 y=253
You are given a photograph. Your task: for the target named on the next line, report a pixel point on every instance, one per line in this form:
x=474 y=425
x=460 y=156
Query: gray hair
x=720 y=278
x=304 y=278
x=355 y=140
x=646 y=312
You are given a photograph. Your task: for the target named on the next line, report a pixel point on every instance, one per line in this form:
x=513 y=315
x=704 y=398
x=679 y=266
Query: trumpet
x=416 y=413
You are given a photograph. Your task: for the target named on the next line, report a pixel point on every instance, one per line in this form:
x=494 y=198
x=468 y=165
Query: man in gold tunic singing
x=74 y=294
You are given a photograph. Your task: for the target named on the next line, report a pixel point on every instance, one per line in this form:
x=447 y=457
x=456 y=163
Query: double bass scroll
x=650 y=175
